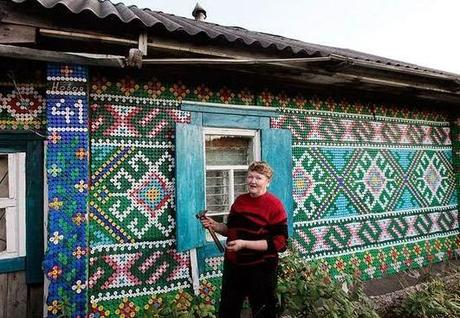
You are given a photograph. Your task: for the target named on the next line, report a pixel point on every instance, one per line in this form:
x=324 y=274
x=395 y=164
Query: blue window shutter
x=189 y=186
x=277 y=151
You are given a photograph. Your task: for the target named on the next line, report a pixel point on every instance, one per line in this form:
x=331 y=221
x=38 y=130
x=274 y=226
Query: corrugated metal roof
x=172 y=23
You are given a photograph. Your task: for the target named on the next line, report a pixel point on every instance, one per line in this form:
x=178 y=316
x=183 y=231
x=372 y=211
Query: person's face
x=257 y=183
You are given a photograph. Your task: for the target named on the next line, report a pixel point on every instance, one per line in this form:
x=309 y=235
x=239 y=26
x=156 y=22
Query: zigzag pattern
x=131 y=118
x=312 y=127
x=132 y=169
x=140 y=267
x=335 y=236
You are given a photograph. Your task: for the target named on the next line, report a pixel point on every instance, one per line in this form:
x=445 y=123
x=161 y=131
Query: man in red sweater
x=256 y=231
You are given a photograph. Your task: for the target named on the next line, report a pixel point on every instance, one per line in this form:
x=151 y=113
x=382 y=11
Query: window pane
x=228 y=150
x=4 y=190
x=223 y=186
x=240 y=184
x=2 y=230
x=217 y=194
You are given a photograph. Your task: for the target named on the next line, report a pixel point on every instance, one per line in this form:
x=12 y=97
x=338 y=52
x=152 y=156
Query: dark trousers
x=257 y=282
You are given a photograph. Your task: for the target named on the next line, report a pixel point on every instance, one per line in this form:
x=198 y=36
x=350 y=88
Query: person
x=256 y=231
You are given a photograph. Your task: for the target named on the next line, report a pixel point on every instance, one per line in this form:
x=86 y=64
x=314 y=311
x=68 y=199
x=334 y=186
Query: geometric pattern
x=131 y=191
x=65 y=263
x=22 y=98
x=456 y=158
x=387 y=260
x=23 y=103
x=354 y=233
x=131 y=206
x=323 y=128
x=132 y=169
x=211 y=267
x=369 y=182
x=341 y=182
x=132 y=187
x=456 y=150
x=138 y=269
x=373 y=184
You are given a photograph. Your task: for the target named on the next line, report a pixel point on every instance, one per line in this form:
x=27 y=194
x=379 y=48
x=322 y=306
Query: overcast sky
x=423 y=32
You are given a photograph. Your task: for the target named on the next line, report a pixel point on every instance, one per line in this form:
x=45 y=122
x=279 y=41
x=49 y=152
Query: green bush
x=431 y=302
x=306 y=290
x=183 y=305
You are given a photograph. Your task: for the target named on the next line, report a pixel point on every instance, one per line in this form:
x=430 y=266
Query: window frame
x=15 y=214
x=256 y=151
x=32 y=145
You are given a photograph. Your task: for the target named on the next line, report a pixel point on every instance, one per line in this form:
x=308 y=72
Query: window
x=21 y=205
x=228 y=153
x=12 y=205
x=212 y=155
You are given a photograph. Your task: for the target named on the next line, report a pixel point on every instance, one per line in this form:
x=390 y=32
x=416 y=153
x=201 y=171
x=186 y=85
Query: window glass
x=240 y=182
x=12 y=209
x=217 y=193
x=228 y=150
x=227 y=160
x=4 y=191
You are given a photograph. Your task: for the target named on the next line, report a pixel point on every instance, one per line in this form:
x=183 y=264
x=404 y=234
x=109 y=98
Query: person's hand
x=236 y=245
x=208 y=223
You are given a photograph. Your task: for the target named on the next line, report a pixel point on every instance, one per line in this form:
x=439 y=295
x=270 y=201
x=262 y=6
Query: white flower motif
x=81 y=186
x=79 y=286
x=56 y=238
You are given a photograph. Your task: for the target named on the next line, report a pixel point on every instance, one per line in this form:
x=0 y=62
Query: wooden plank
x=15 y=264
x=190 y=177
x=277 y=151
x=243 y=110
x=16 y=302
x=34 y=210
x=6 y=203
x=233 y=121
x=18 y=52
x=35 y=301
x=21 y=202
x=10 y=33
x=3 y=294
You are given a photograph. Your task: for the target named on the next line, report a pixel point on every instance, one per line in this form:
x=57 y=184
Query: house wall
x=374 y=186
x=374 y=195
x=455 y=134
x=131 y=208
x=347 y=215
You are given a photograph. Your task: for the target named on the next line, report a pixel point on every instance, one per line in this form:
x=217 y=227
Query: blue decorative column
x=65 y=262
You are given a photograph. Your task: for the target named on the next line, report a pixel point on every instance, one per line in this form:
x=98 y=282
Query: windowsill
x=9 y=265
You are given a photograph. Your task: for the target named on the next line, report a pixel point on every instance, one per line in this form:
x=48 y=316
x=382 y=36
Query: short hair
x=261 y=167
